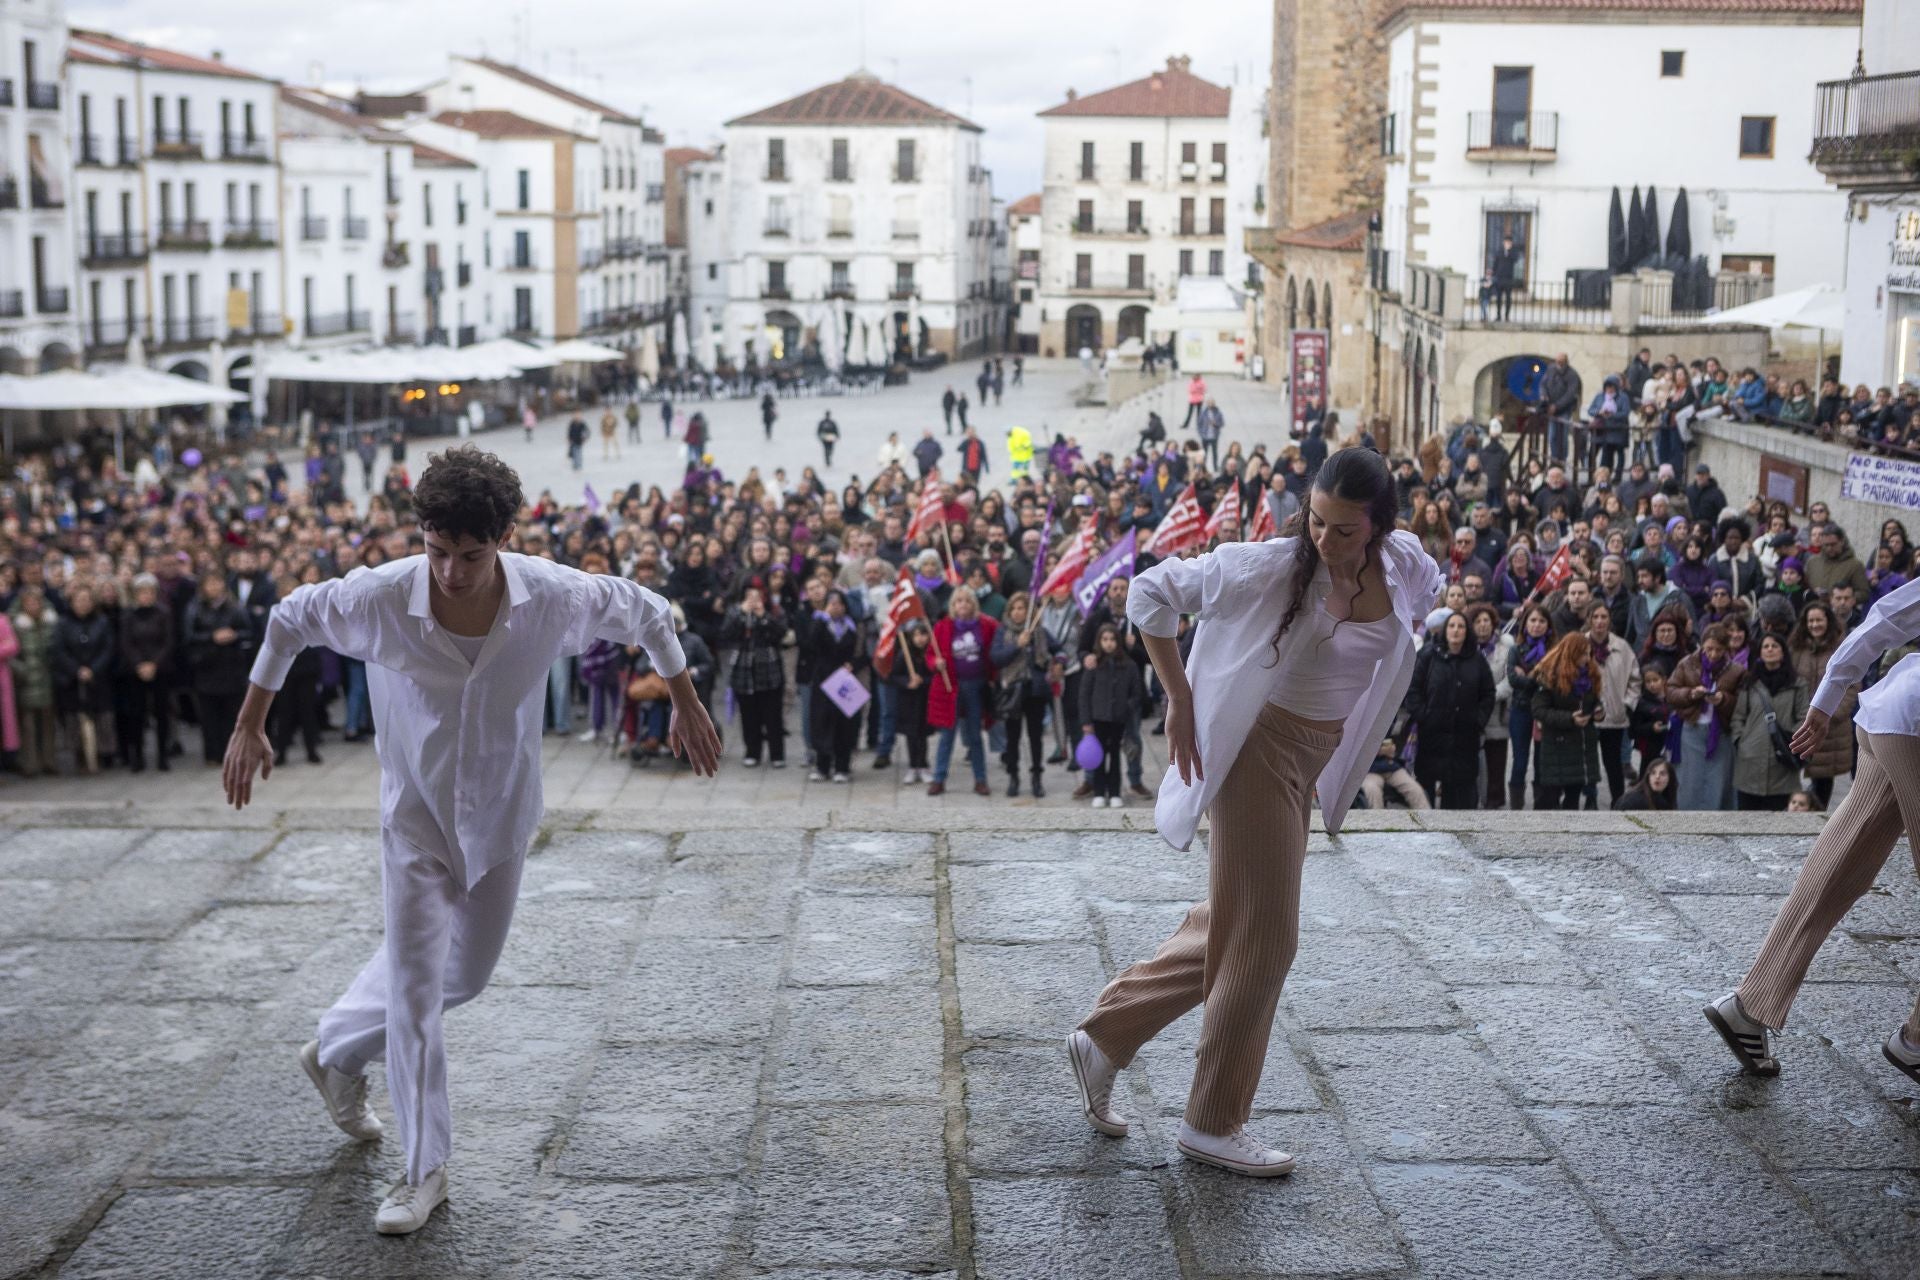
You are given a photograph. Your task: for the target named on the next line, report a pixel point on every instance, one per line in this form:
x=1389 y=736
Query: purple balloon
x=190 y=459
x=1088 y=754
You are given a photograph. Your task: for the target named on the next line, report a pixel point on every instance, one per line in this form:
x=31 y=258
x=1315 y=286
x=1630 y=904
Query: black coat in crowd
x=1450 y=698
x=219 y=668
x=82 y=642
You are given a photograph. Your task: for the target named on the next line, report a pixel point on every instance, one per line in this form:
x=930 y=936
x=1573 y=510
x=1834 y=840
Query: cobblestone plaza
x=796 y=1041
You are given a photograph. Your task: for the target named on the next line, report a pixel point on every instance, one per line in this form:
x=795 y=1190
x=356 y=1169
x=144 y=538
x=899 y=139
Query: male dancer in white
x=1853 y=846
x=457 y=644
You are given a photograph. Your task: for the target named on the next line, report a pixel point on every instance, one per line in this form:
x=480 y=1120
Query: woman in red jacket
x=957 y=699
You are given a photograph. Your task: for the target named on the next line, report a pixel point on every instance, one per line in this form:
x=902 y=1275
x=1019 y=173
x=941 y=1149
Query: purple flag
x=845 y=691
x=1092 y=584
x=593 y=499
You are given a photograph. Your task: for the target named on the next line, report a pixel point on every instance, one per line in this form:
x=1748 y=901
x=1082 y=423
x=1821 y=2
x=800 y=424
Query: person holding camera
x=1765 y=771
x=1883 y=803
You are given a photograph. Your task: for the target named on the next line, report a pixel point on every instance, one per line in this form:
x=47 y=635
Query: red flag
x=932 y=510
x=1263 y=526
x=1558 y=571
x=1185 y=526
x=1078 y=554
x=904 y=606
x=1228 y=508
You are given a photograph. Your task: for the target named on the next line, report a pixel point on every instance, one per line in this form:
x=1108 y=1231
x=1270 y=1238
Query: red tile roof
x=860 y=99
x=1175 y=91
x=679 y=156
x=1345 y=231
x=435 y=158
x=502 y=124
x=326 y=108
x=112 y=50
x=512 y=72
x=1025 y=206
x=1838 y=8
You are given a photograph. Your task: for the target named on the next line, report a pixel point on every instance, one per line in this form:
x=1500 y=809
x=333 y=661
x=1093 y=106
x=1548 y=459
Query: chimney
x=1072 y=94
x=218 y=56
x=1179 y=62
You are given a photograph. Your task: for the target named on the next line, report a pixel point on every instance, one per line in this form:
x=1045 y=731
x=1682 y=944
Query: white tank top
x=1324 y=676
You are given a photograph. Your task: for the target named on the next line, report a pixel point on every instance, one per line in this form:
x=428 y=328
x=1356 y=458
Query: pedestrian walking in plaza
x=696 y=439
x=1883 y=803
x=666 y=417
x=1196 y=397
x=767 y=414
x=1019 y=370
x=609 y=435
x=633 y=422
x=1302 y=656
x=947 y=403
x=829 y=433
x=458 y=642
x=577 y=441
x=960 y=407
x=528 y=420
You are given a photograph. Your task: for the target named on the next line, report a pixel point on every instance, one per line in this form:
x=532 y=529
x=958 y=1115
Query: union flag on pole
x=1185 y=526
x=1079 y=552
x=932 y=511
x=1228 y=508
x=904 y=606
x=1559 y=569
x=1263 y=526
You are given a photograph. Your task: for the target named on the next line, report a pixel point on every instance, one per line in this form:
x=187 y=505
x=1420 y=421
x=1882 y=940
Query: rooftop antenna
x=860 y=7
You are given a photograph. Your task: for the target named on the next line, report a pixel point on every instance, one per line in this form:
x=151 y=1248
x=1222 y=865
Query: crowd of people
x=1641 y=633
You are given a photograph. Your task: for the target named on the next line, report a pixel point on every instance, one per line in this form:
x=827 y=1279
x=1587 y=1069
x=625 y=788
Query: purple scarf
x=839 y=626
x=925 y=583
x=1582 y=686
x=1536 y=650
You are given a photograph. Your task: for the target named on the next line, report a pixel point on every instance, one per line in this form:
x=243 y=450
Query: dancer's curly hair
x=467 y=492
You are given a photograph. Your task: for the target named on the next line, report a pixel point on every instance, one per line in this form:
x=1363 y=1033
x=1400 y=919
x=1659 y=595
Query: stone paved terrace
x=721 y=1044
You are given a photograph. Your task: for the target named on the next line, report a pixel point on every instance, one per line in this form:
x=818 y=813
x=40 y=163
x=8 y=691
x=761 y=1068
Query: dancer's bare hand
x=1183 y=741
x=691 y=736
x=1811 y=733
x=248 y=752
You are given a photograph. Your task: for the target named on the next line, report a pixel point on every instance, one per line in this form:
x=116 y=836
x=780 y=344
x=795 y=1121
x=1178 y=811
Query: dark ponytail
x=1355 y=474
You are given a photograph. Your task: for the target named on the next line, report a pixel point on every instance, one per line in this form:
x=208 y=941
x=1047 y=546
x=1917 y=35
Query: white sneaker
x=1099 y=802
x=1236 y=1151
x=1116 y=802
x=841 y=777
x=345 y=1096
x=1094 y=1076
x=750 y=762
x=1904 y=1057
x=814 y=775
x=1747 y=1038
x=409 y=1204
x=590 y=736
x=779 y=764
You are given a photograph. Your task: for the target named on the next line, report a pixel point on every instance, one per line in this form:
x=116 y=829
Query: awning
x=385 y=366
x=1818 y=306
x=120 y=387
x=580 y=351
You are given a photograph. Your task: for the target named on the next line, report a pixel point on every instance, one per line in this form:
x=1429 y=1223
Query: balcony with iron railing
x=903 y=290
x=6 y=91
x=591 y=256
x=91 y=151
x=466 y=335
x=126 y=152
x=1867 y=130
x=45 y=195
x=13 y=304
x=905 y=230
x=189 y=233
x=463 y=274
x=776 y=228
x=9 y=193
x=312 y=228
x=521 y=262
x=1585 y=300
x=178 y=144
x=181 y=331
x=906 y=173
x=43 y=95
x=257 y=233
x=352 y=228
x=434 y=282
x=840 y=229
x=775 y=292
x=107 y=248
x=596 y=319
x=395 y=254
x=262 y=324
x=403 y=326
x=246 y=147
x=104 y=335
x=1528 y=137
x=1111 y=285
x=53 y=301
x=842 y=289
x=524 y=327
x=1089 y=228
x=656 y=193
x=393 y=191
x=332 y=323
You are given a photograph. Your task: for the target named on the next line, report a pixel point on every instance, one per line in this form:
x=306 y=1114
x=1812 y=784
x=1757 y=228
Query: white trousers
x=440 y=948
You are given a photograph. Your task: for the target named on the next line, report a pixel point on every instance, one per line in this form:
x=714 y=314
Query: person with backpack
x=829 y=433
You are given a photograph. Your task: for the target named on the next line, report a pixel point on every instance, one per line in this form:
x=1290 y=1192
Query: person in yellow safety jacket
x=1020 y=451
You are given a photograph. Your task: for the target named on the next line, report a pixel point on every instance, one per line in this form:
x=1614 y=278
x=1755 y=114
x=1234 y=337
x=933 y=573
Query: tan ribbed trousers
x=1884 y=801
x=1232 y=951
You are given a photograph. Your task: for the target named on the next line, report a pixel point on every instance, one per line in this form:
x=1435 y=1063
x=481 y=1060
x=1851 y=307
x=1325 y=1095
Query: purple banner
x=1092 y=584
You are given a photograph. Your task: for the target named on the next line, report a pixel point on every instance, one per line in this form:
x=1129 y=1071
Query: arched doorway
x=1133 y=324
x=12 y=361
x=784 y=342
x=1433 y=388
x=190 y=369
x=900 y=335
x=1083 y=328
x=1293 y=303
x=1417 y=393
x=57 y=355
x=240 y=378
x=1508 y=387
x=1313 y=306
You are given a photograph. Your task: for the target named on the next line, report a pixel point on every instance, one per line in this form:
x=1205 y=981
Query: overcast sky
x=690 y=66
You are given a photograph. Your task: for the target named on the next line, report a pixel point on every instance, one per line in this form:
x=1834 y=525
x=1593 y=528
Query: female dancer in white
x=1303 y=654
x=1853 y=846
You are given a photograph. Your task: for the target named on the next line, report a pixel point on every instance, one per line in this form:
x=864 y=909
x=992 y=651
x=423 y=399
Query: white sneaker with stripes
x=1746 y=1038
x=1905 y=1057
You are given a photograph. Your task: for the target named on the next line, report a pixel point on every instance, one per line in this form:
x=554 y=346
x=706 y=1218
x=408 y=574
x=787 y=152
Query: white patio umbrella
x=580 y=351
x=1817 y=308
x=863 y=344
x=123 y=387
x=913 y=326
x=650 y=352
x=682 y=350
x=832 y=341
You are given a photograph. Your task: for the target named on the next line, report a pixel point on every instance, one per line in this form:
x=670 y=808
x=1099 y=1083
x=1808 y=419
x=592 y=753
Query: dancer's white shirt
x=459 y=741
x=1239 y=593
x=1893 y=704
x=1328 y=678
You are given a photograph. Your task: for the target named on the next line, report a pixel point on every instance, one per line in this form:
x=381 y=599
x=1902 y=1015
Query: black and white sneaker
x=1747 y=1038
x=1904 y=1057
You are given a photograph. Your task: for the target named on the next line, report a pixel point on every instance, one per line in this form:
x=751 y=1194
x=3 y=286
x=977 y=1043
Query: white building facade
x=620 y=265
x=709 y=257
x=1525 y=123
x=1866 y=129
x=1023 y=251
x=39 y=309
x=178 y=214
x=1137 y=193
x=859 y=210
x=342 y=260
